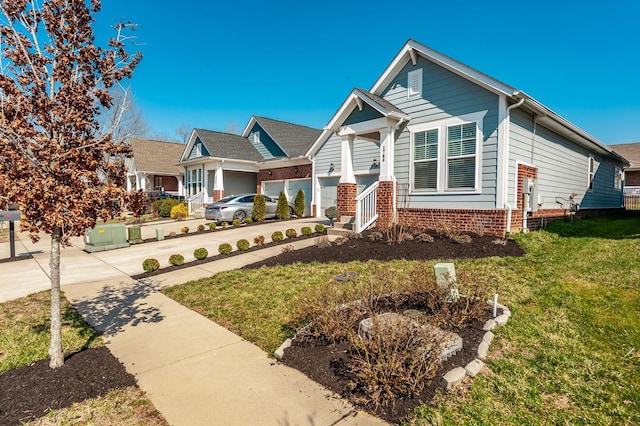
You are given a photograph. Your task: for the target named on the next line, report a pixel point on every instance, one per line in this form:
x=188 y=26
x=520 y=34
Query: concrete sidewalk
x=194 y=371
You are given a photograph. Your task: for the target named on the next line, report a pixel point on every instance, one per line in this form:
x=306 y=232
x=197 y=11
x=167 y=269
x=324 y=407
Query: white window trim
x=590 y=173
x=617 y=178
x=411 y=75
x=442 y=125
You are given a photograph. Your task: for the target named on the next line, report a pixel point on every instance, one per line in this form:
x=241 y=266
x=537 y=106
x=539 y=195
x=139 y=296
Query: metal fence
x=632 y=197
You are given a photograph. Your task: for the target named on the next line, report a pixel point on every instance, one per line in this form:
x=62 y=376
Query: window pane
x=461 y=140
x=426 y=175
x=462 y=173
x=426 y=145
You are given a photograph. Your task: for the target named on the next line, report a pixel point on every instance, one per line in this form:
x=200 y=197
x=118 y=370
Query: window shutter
x=414 y=84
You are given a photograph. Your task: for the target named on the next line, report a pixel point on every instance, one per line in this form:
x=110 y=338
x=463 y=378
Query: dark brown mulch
x=363 y=249
x=28 y=393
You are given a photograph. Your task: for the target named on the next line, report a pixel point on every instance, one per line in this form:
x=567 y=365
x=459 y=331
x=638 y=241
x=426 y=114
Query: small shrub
x=212 y=225
x=172 y=234
x=236 y=222
x=248 y=220
x=282 y=209
x=243 y=245
x=277 y=236
x=424 y=238
x=299 y=204
x=163 y=208
x=287 y=249
x=259 y=207
x=179 y=212
x=201 y=227
x=291 y=233
x=176 y=259
x=376 y=236
x=259 y=240
x=306 y=231
x=500 y=241
x=341 y=240
x=224 y=225
x=200 y=253
x=461 y=239
x=185 y=230
x=225 y=248
x=322 y=242
x=320 y=228
x=150 y=265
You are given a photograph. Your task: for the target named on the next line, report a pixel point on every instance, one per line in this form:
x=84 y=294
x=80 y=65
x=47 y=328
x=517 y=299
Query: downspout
x=506 y=181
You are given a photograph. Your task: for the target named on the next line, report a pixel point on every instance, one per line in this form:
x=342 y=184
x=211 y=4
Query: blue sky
x=209 y=64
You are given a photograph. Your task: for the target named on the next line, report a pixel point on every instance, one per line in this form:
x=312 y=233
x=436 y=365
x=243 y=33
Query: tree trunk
x=55 y=350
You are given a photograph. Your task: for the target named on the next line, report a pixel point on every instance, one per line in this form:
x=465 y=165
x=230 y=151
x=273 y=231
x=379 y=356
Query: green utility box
x=105 y=237
x=135 y=235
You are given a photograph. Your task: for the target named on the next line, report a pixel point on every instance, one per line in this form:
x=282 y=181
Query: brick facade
x=281 y=173
x=384 y=204
x=632 y=178
x=346 y=195
x=490 y=222
x=217 y=194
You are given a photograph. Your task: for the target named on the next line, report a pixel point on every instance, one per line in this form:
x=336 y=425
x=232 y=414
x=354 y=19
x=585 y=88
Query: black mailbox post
x=11 y=216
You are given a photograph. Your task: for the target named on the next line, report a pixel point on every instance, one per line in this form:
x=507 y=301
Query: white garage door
x=292 y=190
x=272 y=188
x=328 y=193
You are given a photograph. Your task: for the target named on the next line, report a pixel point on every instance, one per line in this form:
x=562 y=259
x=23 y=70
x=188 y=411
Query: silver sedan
x=238 y=207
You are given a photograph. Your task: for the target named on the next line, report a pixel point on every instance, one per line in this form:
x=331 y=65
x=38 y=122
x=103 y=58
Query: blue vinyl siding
x=367 y=113
x=330 y=152
x=563 y=167
x=446 y=95
x=198 y=150
x=266 y=146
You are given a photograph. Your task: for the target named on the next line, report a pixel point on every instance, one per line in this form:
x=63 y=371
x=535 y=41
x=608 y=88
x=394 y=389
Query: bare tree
x=53 y=82
x=233 y=128
x=184 y=132
x=124 y=118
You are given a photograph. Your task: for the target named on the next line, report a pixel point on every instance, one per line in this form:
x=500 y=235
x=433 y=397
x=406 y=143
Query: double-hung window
x=446 y=154
x=592 y=171
x=461 y=156
x=425 y=160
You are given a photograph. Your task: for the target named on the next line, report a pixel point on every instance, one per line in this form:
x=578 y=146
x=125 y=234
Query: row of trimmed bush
x=150 y=265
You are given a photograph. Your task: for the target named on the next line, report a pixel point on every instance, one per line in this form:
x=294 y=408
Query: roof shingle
x=157 y=156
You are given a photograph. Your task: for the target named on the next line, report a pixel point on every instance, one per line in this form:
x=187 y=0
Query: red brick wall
x=217 y=194
x=346 y=195
x=490 y=222
x=280 y=173
x=632 y=178
x=384 y=204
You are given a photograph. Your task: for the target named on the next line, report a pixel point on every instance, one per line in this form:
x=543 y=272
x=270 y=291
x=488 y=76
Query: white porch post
x=180 y=180
x=129 y=186
x=347 y=160
x=218 y=183
x=387 y=143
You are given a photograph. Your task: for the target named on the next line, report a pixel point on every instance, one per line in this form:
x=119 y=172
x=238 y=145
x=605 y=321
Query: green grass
x=24 y=330
x=569 y=355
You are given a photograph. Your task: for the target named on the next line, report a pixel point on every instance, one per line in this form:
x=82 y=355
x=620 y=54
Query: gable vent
x=414 y=84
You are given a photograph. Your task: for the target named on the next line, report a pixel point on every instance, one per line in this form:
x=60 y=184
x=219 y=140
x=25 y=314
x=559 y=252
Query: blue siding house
x=435 y=140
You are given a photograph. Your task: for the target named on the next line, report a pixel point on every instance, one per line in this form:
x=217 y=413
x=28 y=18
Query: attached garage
x=239 y=183
x=290 y=187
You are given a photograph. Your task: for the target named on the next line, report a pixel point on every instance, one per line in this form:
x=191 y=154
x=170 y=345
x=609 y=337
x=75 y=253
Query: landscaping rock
x=483 y=349
x=474 y=367
x=279 y=353
x=488 y=337
x=489 y=325
x=454 y=377
x=501 y=320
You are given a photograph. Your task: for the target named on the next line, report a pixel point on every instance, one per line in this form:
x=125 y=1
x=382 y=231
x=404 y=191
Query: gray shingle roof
x=294 y=139
x=228 y=145
x=381 y=101
x=630 y=151
x=156 y=156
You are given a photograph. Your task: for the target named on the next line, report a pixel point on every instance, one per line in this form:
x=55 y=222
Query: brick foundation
x=347 y=193
x=490 y=222
x=217 y=194
x=384 y=204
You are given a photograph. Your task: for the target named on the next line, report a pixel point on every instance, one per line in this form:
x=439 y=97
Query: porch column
x=347 y=187
x=129 y=185
x=387 y=148
x=180 y=180
x=386 y=196
x=218 y=183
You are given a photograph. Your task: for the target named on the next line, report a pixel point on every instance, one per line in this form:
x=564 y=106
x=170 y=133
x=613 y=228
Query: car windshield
x=226 y=199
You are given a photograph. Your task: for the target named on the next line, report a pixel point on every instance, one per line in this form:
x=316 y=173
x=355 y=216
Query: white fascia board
x=247 y=129
x=324 y=136
x=158 y=173
x=189 y=146
x=366 y=126
x=446 y=62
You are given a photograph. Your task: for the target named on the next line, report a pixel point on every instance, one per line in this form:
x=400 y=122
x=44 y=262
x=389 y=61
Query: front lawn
x=569 y=355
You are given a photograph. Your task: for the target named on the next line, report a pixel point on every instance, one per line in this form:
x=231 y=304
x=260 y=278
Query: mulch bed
x=28 y=393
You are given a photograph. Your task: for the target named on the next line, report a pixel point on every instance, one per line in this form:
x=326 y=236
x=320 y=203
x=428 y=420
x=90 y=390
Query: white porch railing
x=196 y=201
x=366 y=212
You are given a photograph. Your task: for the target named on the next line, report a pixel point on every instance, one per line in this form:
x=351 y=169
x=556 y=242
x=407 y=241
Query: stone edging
x=454 y=377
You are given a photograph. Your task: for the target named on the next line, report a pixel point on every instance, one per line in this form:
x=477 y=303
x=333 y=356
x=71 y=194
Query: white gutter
x=506 y=168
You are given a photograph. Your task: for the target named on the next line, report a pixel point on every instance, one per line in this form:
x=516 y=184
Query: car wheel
x=291 y=213
x=240 y=215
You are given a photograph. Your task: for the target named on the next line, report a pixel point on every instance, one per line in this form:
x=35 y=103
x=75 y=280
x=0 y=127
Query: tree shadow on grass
x=614 y=226
x=120 y=306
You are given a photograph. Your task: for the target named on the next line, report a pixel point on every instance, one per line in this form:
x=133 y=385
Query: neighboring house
x=269 y=157
x=435 y=142
x=630 y=151
x=152 y=166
